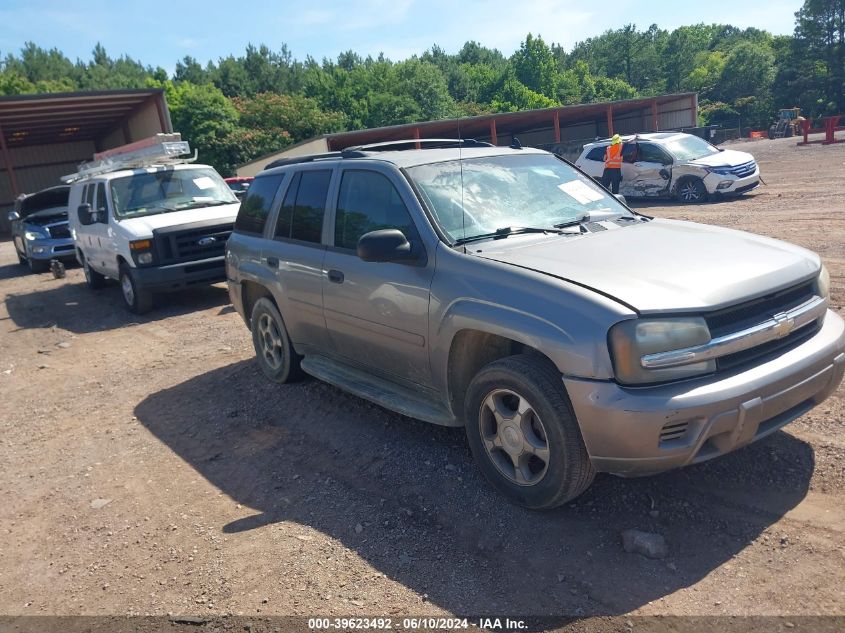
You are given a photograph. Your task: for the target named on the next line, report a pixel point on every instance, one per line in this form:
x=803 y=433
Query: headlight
x=142 y=251
x=35 y=235
x=631 y=340
x=722 y=171
x=823 y=282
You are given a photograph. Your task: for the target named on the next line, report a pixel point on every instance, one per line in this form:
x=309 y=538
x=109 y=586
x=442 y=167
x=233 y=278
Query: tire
x=273 y=349
x=691 y=191
x=138 y=300
x=21 y=259
x=557 y=469
x=38 y=265
x=93 y=279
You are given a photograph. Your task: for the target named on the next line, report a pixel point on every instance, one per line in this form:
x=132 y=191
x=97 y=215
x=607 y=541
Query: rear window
x=597 y=153
x=256 y=206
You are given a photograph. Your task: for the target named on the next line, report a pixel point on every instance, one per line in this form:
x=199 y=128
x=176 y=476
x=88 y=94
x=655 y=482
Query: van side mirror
x=85 y=214
x=385 y=245
x=13 y=216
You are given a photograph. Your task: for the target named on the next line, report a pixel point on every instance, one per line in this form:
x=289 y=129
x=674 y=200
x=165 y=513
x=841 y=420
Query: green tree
x=534 y=66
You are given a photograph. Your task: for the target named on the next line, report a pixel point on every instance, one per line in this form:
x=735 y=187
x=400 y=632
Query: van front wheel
x=136 y=299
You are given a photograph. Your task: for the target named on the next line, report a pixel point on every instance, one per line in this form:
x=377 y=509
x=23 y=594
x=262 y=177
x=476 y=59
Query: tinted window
x=286 y=212
x=649 y=153
x=368 y=201
x=597 y=153
x=256 y=206
x=307 y=224
x=89 y=194
x=101 y=197
x=629 y=152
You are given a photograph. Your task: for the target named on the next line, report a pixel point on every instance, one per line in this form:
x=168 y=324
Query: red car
x=239 y=184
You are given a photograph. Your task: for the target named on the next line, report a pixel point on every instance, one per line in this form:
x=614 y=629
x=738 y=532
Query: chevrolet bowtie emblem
x=783 y=325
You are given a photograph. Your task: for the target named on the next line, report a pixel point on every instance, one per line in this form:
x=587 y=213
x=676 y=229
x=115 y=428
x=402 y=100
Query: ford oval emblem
x=207 y=241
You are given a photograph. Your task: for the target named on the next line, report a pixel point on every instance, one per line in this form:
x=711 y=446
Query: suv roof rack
x=161 y=149
x=418 y=143
x=308 y=158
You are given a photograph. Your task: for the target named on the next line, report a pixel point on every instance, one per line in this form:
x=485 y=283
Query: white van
x=157 y=228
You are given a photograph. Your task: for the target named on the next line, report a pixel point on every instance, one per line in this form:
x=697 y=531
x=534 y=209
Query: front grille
x=746 y=169
x=192 y=244
x=751 y=313
x=59 y=231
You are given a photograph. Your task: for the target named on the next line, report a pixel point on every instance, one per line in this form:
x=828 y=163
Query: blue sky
x=160 y=33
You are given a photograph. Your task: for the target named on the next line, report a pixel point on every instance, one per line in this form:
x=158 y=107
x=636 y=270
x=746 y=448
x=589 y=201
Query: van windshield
x=168 y=190
x=478 y=196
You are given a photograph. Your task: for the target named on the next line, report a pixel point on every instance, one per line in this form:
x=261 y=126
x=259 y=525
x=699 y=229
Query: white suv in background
x=674 y=164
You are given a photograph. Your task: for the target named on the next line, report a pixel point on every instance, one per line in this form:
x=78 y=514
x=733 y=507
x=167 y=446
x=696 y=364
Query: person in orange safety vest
x=613 y=164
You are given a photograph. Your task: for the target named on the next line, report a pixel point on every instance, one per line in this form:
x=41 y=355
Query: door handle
x=336 y=276
x=273 y=262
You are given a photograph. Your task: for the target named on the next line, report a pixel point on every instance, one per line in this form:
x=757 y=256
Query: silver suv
x=503 y=291
x=40 y=228
x=674 y=164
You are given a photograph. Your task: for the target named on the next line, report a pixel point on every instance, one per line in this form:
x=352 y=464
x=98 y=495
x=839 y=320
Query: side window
x=652 y=154
x=301 y=215
x=629 y=152
x=597 y=154
x=255 y=207
x=89 y=194
x=368 y=201
x=101 y=198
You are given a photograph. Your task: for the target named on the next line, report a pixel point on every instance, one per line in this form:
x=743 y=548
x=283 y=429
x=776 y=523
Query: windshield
x=531 y=190
x=168 y=190
x=690 y=148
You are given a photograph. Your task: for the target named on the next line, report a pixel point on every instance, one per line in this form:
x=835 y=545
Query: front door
x=651 y=171
x=377 y=312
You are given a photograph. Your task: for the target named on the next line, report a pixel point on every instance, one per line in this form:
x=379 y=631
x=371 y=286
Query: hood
x=145 y=225
x=46 y=216
x=665 y=265
x=728 y=158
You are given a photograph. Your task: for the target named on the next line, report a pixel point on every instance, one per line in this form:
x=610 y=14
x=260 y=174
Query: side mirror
x=13 y=216
x=621 y=198
x=385 y=245
x=85 y=215
x=240 y=194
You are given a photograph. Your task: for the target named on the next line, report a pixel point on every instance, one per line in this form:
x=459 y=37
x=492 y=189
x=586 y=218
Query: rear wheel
x=136 y=299
x=273 y=349
x=94 y=279
x=524 y=435
x=692 y=190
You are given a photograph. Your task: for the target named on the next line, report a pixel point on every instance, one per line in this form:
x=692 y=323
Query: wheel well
x=252 y=292
x=683 y=179
x=471 y=350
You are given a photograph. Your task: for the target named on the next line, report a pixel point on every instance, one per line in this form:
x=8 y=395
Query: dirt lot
x=147 y=468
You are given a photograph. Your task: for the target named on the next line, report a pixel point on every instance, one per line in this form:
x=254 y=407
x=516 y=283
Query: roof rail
x=161 y=149
x=296 y=160
x=418 y=143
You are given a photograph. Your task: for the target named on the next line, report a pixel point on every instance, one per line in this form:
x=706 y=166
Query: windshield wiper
x=583 y=217
x=197 y=204
x=507 y=231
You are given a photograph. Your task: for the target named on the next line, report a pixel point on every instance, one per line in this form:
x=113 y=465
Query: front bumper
x=737 y=185
x=47 y=249
x=640 y=431
x=180 y=276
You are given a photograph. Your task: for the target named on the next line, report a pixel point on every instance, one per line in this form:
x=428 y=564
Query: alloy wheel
x=271 y=341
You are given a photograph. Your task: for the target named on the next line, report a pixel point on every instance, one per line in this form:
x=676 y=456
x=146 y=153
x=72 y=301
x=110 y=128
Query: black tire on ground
x=38 y=265
x=691 y=191
x=523 y=433
x=273 y=349
x=93 y=279
x=138 y=300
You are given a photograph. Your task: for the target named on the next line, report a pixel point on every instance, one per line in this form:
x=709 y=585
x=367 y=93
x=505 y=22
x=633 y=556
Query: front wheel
x=692 y=190
x=37 y=265
x=524 y=435
x=136 y=299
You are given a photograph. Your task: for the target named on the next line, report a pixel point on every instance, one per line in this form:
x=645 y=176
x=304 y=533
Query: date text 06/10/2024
x=427 y=623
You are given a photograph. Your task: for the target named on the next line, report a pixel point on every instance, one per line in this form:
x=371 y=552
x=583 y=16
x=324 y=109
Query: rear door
x=377 y=312
x=294 y=256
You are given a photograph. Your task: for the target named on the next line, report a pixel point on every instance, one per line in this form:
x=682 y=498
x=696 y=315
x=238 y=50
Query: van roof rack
x=161 y=149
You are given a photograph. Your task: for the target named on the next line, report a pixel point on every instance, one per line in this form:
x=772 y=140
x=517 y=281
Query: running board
x=378 y=390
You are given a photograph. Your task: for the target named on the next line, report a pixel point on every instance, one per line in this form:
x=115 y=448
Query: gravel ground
x=148 y=468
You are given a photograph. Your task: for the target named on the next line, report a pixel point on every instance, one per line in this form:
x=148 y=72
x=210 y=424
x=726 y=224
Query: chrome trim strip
x=778 y=326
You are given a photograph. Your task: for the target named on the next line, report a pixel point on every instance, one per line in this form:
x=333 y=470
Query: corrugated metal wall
x=41 y=166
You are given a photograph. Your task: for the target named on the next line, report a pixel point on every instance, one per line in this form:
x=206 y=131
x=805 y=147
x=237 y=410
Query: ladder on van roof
x=161 y=149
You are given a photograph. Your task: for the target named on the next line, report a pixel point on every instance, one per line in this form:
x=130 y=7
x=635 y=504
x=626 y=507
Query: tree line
x=245 y=106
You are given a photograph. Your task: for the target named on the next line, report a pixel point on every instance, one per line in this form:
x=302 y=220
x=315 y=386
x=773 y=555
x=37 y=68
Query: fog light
x=38 y=249
x=145 y=258
x=725 y=184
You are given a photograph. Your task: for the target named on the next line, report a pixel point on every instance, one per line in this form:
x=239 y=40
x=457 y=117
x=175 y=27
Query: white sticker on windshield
x=580 y=191
x=204 y=182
